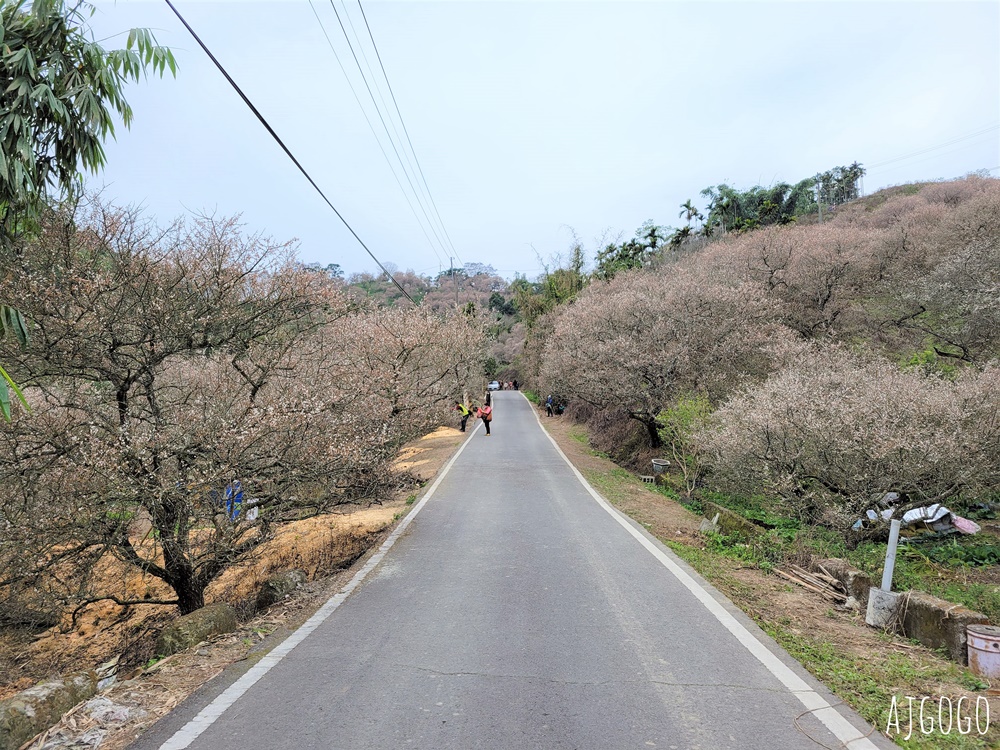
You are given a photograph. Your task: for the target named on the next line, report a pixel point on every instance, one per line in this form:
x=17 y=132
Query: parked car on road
x=493 y=386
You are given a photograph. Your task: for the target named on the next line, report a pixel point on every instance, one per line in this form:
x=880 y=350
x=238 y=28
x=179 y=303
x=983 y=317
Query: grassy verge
x=866 y=681
x=946 y=568
x=611 y=484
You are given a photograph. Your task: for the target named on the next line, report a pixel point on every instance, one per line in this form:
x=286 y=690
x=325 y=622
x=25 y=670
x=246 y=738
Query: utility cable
x=976 y=134
x=371 y=127
x=407 y=132
x=921 y=159
x=381 y=96
x=285 y=148
x=386 y=127
x=376 y=84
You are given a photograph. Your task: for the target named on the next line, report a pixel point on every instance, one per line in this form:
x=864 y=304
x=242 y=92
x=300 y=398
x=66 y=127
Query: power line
x=371 y=127
x=285 y=148
x=385 y=127
x=407 y=132
x=374 y=80
x=922 y=151
x=399 y=115
x=928 y=157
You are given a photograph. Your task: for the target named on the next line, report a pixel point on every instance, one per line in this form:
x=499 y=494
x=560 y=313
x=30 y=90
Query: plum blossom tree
x=413 y=364
x=175 y=371
x=834 y=432
x=640 y=340
x=943 y=288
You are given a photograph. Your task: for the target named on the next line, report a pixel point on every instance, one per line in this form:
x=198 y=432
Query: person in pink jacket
x=485 y=413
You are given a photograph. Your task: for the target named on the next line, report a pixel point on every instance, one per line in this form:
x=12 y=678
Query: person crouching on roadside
x=463 y=412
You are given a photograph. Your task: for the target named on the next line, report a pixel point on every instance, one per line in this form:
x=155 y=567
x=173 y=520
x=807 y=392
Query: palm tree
x=652 y=234
x=679 y=236
x=688 y=212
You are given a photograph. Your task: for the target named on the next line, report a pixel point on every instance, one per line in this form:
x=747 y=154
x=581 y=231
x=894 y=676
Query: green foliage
x=532 y=299
x=764 y=551
x=614 y=259
x=936 y=567
x=677 y=427
x=687 y=414
x=613 y=485
x=501 y=304
x=928 y=360
x=956 y=553
x=532 y=396
x=867 y=680
x=735 y=210
x=12 y=323
x=637 y=252
x=652 y=235
x=930 y=565
x=742 y=210
x=60 y=93
x=692 y=503
x=980 y=597
x=840 y=184
x=689 y=212
x=333 y=270
x=678 y=237
x=529 y=300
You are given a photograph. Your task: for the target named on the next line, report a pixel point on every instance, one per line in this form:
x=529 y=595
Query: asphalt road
x=517 y=611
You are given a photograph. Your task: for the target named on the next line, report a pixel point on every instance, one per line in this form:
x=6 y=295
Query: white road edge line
x=851 y=737
x=207 y=716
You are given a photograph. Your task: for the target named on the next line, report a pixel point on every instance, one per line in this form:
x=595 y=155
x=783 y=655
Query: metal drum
x=984 y=650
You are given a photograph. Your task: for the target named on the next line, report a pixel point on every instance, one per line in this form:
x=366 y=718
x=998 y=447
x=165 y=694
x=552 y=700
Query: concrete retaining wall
x=731 y=523
x=856 y=582
x=937 y=623
x=934 y=622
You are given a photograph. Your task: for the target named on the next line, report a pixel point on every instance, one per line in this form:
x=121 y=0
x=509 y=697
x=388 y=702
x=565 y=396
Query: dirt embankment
x=325 y=547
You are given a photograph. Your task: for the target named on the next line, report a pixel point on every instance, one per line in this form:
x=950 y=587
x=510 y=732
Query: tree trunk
x=190 y=596
x=652 y=429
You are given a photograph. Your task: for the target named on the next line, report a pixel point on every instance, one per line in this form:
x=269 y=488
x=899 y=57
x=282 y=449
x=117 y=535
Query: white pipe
x=890 y=555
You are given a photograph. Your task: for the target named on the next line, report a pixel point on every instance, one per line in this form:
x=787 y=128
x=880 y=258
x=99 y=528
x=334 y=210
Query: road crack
x=594 y=683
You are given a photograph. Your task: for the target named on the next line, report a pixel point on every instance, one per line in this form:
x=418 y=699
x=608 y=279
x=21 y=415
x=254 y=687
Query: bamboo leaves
x=12 y=323
x=59 y=92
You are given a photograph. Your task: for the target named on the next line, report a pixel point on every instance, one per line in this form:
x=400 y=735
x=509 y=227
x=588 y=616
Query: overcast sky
x=532 y=120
